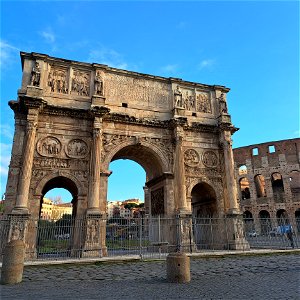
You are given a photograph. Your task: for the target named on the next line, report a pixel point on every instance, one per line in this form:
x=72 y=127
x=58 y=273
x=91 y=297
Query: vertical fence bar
x=140 y=236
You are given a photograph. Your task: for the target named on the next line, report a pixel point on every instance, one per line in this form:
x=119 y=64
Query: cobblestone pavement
x=230 y=277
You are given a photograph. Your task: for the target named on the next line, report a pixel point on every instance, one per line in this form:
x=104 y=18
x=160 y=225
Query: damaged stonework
x=72 y=119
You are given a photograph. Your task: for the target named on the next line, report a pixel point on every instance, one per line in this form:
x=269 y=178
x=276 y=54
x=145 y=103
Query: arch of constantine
x=73 y=118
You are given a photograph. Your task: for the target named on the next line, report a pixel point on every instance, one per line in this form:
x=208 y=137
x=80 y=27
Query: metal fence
x=146 y=237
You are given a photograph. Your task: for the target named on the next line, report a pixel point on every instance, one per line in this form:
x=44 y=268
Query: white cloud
x=207 y=64
x=7 y=131
x=5 y=158
x=7 y=53
x=48 y=35
x=107 y=57
x=169 y=69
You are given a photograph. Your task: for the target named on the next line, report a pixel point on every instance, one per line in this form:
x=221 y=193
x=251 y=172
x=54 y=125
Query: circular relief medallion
x=191 y=157
x=77 y=148
x=49 y=146
x=210 y=159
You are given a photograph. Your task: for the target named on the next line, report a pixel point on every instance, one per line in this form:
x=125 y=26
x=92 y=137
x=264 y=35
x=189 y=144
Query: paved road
x=233 y=277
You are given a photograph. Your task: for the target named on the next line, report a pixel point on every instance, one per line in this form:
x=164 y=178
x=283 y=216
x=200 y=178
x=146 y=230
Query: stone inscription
x=142 y=91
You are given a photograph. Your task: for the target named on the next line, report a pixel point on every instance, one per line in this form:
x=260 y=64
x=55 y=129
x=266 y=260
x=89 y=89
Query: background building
x=125 y=209
x=53 y=211
x=268 y=177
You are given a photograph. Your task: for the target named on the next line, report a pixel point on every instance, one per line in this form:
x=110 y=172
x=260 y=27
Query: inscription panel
x=135 y=90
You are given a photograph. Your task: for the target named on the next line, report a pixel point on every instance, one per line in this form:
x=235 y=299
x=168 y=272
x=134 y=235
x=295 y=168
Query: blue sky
x=251 y=47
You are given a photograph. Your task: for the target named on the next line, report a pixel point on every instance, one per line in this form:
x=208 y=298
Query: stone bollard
x=13 y=262
x=178 y=268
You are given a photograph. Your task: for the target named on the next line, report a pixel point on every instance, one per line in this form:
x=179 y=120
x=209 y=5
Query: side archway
x=204 y=201
x=61 y=180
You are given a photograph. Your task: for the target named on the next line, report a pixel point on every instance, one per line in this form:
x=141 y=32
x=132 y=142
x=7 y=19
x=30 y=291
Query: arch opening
x=282 y=217
x=244 y=188
x=59 y=197
x=148 y=167
x=204 y=201
x=249 y=223
x=265 y=221
x=55 y=228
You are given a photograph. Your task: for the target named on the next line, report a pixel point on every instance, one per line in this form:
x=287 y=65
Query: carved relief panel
x=58 y=80
x=49 y=146
x=192 y=99
x=56 y=153
x=206 y=164
x=76 y=148
x=80 y=83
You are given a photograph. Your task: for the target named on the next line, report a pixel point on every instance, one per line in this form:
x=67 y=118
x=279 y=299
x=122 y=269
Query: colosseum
x=268 y=176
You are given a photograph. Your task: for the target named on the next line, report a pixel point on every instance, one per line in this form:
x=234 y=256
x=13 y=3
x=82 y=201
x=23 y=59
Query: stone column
x=94 y=184
x=179 y=172
x=229 y=173
x=26 y=170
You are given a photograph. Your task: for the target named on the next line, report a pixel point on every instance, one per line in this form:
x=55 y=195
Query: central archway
x=154 y=164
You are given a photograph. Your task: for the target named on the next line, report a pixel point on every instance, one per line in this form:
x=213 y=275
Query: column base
x=94 y=212
x=20 y=211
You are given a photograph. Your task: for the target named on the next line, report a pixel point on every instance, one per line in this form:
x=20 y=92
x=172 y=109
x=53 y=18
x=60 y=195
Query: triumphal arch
x=73 y=118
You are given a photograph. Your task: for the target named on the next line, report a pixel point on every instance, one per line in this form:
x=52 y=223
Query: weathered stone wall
x=279 y=161
x=74 y=118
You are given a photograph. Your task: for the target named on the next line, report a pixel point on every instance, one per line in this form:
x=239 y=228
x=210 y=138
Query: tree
x=130 y=206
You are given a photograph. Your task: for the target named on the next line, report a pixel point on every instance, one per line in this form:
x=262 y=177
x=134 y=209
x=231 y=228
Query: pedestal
x=236 y=233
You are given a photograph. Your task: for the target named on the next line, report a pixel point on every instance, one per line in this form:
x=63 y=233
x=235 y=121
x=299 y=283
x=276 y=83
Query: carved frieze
x=80 y=83
x=111 y=140
x=77 y=148
x=58 y=80
x=191 y=157
x=209 y=159
x=55 y=163
x=38 y=174
x=197 y=171
x=49 y=146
